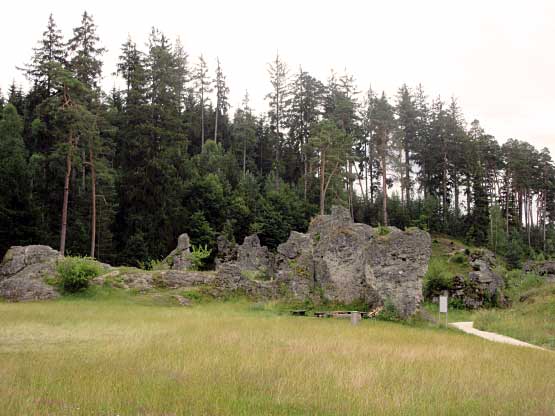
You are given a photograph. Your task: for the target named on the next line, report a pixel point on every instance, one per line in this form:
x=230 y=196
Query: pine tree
x=407 y=125
x=278 y=98
x=333 y=148
x=43 y=66
x=383 y=124
x=222 y=92
x=85 y=53
x=203 y=88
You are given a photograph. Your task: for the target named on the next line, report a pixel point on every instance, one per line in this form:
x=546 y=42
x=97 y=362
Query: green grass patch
x=531 y=317
x=107 y=355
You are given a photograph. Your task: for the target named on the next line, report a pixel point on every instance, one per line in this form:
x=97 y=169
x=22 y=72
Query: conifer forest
x=118 y=174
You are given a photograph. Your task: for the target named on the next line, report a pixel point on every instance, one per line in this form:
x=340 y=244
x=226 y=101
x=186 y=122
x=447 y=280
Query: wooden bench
x=321 y=315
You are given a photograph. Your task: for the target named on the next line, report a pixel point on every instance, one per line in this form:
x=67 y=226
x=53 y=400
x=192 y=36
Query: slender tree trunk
x=456 y=188
x=444 y=189
x=322 y=182
x=384 y=186
x=202 y=118
x=350 y=188
x=66 y=193
x=407 y=175
x=93 y=196
x=216 y=124
x=544 y=220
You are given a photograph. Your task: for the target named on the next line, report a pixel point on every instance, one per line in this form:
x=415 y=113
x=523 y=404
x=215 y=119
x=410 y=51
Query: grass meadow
x=123 y=355
x=531 y=317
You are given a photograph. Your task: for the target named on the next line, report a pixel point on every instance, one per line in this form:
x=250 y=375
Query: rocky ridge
x=336 y=261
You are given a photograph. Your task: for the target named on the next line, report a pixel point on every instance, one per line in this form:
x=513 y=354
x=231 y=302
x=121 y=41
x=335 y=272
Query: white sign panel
x=443 y=304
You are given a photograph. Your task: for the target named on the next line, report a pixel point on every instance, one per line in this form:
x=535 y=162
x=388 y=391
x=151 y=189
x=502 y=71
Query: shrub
x=383 y=231
x=437 y=279
x=389 y=312
x=198 y=255
x=75 y=273
x=458 y=258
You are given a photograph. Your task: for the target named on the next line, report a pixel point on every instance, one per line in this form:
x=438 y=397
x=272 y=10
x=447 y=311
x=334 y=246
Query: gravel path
x=468 y=327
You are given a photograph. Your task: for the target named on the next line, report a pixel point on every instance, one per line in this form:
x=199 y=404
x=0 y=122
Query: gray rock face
x=227 y=250
x=180 y=258
x=19 y=257
x=339 y=261
x=23 y=270
x=483 y=286
x=294 y=265
x=397 y=263
x=542 y=268
x=254 y=258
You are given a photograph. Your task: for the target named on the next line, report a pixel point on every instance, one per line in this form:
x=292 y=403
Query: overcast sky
x=496 y=57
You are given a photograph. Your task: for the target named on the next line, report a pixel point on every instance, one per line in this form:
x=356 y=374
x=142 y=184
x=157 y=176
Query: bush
x=458 y=258
x=437 y=279
x=389 y=312
x=75 y=273
x=198 y=255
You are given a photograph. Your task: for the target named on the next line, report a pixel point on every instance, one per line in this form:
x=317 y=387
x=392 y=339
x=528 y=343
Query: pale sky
x=497 y=57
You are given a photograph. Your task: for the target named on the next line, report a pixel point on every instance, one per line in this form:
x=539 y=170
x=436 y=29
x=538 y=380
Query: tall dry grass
x=106 y=357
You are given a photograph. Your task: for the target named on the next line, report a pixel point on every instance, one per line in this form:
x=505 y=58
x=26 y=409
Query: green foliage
x=199 y=254
x=515 y=253
x=459 y=258
x=383 y=231
x=389 y=312
x=437 y=279
x=75 y=273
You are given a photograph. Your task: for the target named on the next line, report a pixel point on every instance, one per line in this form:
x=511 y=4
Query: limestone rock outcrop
x=542 y=268
x=337 y=260
x=180 y=257
x=483 y=286
x=23 y=271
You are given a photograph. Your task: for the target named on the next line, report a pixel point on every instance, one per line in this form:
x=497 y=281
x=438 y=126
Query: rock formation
x=180 y=258
x=338 y=261
x=23 y=271
x=541 y=268
x=483 y=287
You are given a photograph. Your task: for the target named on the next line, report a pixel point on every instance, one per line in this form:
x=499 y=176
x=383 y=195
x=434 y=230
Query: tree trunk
x=444 y=189
x=202 y=118
x=322 y=182
x=216 y=125
x=407 y=175
x=384 y=187
x=93 y=197
x=66 y=194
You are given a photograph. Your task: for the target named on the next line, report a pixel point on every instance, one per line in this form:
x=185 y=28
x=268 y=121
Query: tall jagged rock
x=340 y=261
x=180 y=257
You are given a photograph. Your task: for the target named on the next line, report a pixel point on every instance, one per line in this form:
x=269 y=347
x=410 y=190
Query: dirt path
x=468 y=327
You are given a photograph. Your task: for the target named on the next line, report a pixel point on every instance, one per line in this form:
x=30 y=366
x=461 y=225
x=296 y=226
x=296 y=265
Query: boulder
x=23 y=272
x=180 y=257
x=19 y=257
